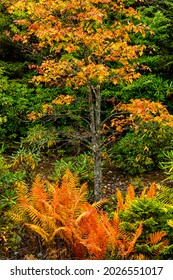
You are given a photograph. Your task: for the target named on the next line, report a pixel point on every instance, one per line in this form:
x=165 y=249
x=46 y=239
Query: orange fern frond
x=99 y=204
x=94 y=250
x=69 y=179
x=43 y=207
x=16 y=217
x=112 y=231
x=63 y=211
x=55 y=198
x=127 y=242
x=152 y=191
x=22 y=191
x=93 y=234
x=131 y=192
x=155 y=240
x=38 y=189
x=120 y=200
x=143 y=193
x=156 y=237
x=82 y=216
x=133 y=241
x=83 y=192
x=139 y=257
x=80 y=251
x=65 y=233
x=39 y=230
x=130 y=196
x=116 y=220
x=33 y=214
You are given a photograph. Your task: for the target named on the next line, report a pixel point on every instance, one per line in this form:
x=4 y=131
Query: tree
x=87 y=44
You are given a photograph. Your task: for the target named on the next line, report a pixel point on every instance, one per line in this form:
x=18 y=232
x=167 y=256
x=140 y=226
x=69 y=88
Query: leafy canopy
x=88 y=41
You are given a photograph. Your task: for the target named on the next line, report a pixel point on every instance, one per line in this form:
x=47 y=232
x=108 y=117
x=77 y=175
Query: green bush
x=8 y=180
x=155 y=217
x=40 y=137
x=141 y=150
x=167 y=164
x=82 y=165
x=150 y=86
x=153 y=206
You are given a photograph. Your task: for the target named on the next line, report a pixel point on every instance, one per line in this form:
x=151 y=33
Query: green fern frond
x=157 y=248
x=165 y=195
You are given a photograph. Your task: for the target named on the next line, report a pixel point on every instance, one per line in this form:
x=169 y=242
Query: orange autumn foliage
x=146 y=111
x=80 y=40
x=63 y=211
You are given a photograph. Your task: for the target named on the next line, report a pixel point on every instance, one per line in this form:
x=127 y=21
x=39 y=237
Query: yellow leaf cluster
x=63 y=99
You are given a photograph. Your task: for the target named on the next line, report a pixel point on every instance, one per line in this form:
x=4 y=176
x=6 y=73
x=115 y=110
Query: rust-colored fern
x=152 y=191
x=156 y=240
x=156 y=237
x=131 y=192
x=143 y=193
x=120 y=200
x=51 y=210
x=130 y=195
x=133 y=241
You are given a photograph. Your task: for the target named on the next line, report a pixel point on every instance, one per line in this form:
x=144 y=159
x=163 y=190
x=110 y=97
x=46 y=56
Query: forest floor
x=116 y=179
x=113 y=178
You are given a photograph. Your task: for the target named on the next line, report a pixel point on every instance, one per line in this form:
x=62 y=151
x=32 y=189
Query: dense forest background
x=45 y=129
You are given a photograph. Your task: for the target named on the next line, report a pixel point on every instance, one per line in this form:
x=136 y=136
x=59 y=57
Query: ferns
x=153 y=207
x=63 y=211
x=141 y=225
x=165 y=195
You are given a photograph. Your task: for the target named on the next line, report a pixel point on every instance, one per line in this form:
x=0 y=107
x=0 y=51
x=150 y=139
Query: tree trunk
x=95 y=112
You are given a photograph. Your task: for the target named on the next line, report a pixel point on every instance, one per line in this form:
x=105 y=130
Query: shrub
x=40 y=137
x=152 y=87
x=82 y=165
x=8 y=181
x=142 y=149
x=25 y=159
x=155 y=210
x=167 y=164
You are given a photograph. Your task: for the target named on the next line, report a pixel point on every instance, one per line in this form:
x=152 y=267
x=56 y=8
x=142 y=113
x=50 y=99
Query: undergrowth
x=139 y=226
